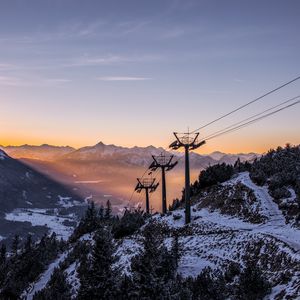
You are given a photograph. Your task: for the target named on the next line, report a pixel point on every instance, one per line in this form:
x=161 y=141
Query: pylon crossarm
x=175 y=145
x=154 y=187
x=171 y=166
x=195 y=146
x=178 y=140
x=196 y=136
x=171 y=157
x=152 y=165
x=137 y=187
x=155 y=162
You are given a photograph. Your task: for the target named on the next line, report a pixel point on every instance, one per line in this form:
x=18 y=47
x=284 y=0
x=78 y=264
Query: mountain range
x=42 y=152
x=105 y=171
x=135 y=155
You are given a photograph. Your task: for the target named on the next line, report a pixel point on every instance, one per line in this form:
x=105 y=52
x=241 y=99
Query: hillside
x=29 y=200
x=240 y=244
x=23 y=187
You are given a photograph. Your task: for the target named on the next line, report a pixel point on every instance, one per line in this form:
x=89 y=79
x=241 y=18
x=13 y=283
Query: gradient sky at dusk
x=132 y=72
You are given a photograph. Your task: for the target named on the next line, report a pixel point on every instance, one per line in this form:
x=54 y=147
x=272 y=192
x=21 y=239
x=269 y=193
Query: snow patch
x=73 y=279
x=125 y=252
x=39 y=217
x=86 y=199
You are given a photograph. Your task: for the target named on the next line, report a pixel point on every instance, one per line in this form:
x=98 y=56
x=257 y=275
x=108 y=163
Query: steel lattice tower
x=164 y=162
x=189 y=142
x=149 y=185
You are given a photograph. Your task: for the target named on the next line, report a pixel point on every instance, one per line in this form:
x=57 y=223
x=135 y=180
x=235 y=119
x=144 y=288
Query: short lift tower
x=189 y=142
x=149 y=185
x=164 y=162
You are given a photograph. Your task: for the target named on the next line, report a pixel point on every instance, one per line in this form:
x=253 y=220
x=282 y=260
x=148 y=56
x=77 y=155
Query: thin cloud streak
x=32 y=82
x=122 y=78
x=110 y=59
x=10 y=81
x=82 y=61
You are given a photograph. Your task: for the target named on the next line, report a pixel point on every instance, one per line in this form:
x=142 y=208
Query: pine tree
x=28 y=244
x=15 y=244
x=2 y=254
x=238 y=166
x=91 y=217
x=57 y=288
x=176 y=250
x=101 y=212
x=126 y=289
x=209 y=284
x=153 y=268
x=3 y=265
x=130 y=222
x=99 y=279
x=102 y=260
x=84 y=272
x=108 y=210
x=252 y=284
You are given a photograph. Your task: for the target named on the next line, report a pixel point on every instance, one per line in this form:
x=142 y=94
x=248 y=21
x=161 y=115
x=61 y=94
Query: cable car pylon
x=189 y=142
x=149 y=185
x=164 y=162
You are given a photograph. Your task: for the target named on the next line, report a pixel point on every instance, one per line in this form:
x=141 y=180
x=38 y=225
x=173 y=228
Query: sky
x=132 y=72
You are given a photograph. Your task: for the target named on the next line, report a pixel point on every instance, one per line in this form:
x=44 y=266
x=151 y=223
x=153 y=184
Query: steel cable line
x=252 y=121
x=248 y=103
x=252 y=117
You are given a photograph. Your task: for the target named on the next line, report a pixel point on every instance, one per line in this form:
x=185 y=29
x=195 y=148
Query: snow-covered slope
x=44 y=278
x=31 y=202
x=23 y=186
x=216 y=240
x=276 y=225
x=41 y=217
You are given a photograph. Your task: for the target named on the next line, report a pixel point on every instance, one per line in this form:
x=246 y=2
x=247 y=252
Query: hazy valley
x=104 y=172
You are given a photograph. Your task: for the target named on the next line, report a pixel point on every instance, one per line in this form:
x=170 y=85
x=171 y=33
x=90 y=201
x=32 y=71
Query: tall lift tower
x=149 y=185
x=164 y=162
x=189 y=142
